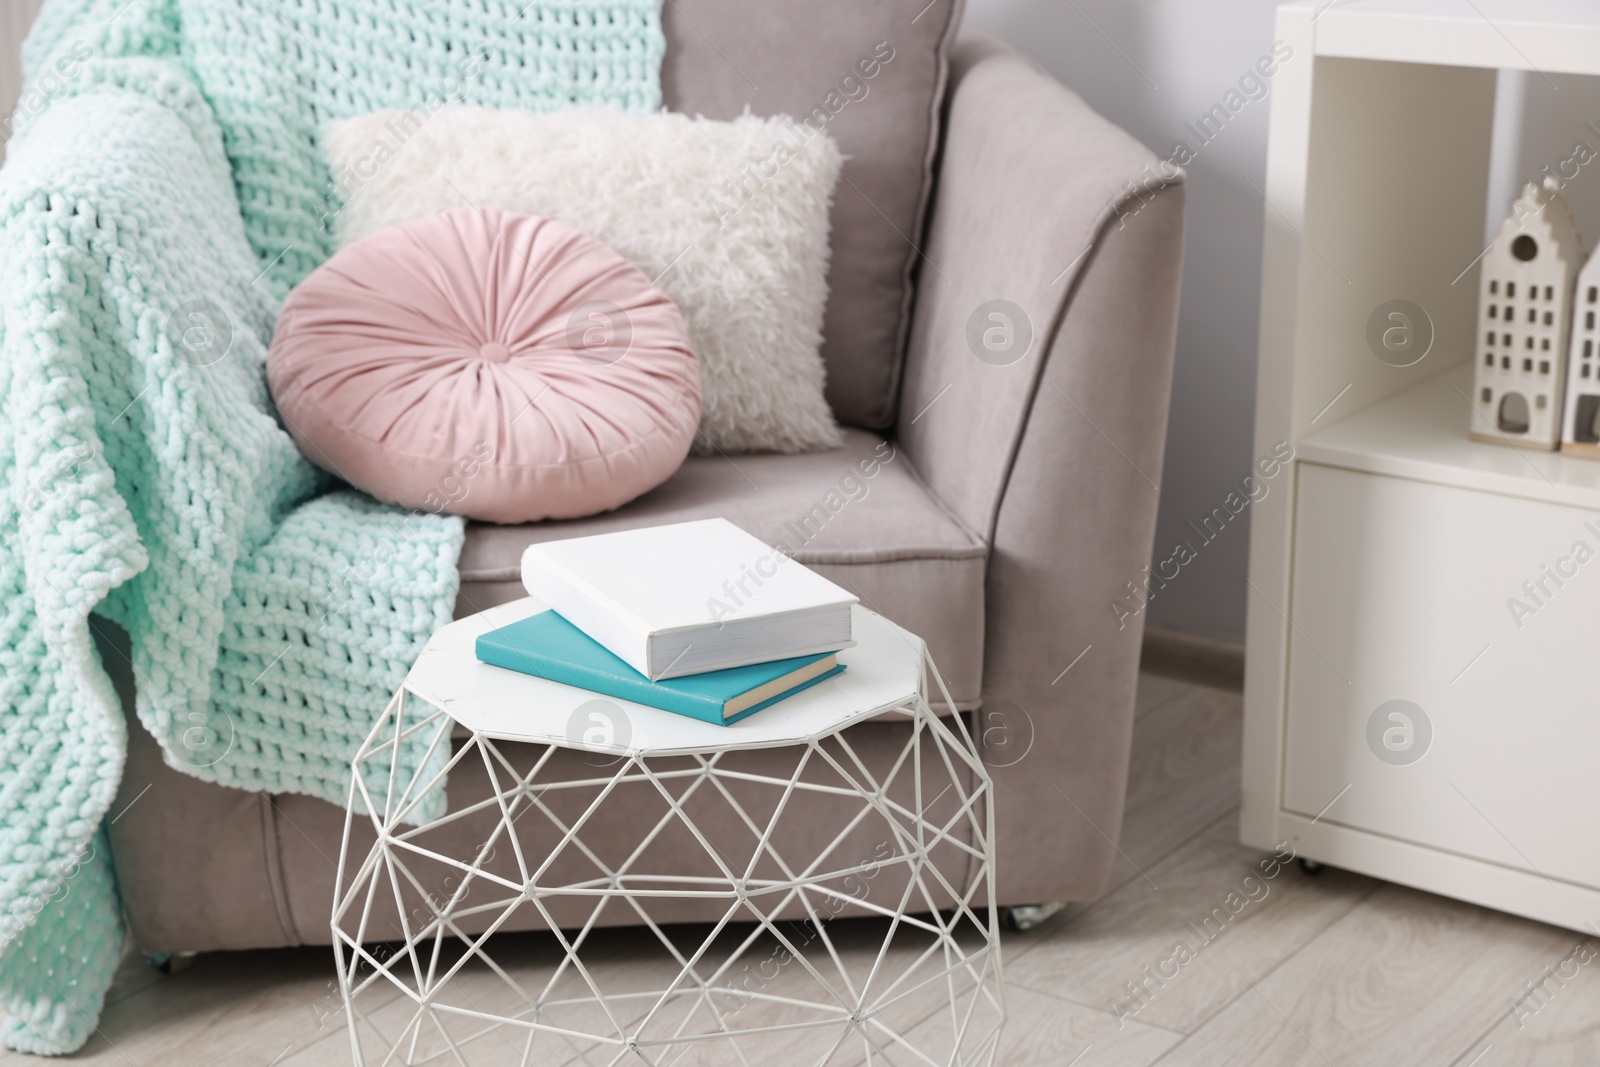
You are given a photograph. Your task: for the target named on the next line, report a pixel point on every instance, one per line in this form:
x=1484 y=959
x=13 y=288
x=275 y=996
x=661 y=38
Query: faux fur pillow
x=730 y=219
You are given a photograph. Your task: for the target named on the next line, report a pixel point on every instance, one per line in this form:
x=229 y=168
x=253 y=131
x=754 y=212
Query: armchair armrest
x=1035 y=406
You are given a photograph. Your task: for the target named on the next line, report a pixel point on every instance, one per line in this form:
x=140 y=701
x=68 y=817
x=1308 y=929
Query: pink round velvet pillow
x=499 y=366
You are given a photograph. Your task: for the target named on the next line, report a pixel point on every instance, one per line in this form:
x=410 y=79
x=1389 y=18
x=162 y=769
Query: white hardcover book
x=689 y=598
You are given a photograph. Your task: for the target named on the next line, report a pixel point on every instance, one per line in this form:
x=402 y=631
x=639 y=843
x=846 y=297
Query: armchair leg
x=1024 y=917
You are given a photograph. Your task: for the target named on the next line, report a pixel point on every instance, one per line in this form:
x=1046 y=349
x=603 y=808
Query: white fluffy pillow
x=729 y=218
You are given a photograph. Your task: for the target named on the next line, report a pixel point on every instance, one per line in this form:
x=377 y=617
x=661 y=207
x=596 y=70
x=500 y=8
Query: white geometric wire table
x=768 y=977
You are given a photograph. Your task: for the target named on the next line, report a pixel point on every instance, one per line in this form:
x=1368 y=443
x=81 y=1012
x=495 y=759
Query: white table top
x=884 y=672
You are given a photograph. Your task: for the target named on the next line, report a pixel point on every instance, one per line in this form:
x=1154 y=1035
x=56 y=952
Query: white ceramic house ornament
x=1580 y=429
x=1524 y=315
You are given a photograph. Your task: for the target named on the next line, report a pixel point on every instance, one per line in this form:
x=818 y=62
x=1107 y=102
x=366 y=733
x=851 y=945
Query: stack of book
x=698 y=618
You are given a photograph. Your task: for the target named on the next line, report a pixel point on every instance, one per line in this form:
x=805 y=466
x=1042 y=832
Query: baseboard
x=1203 y=660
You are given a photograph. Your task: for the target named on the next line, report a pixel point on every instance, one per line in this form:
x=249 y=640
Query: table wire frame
x=778 y=977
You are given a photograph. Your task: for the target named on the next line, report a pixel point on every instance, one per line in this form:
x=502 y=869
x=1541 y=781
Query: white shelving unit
x=1392 y=570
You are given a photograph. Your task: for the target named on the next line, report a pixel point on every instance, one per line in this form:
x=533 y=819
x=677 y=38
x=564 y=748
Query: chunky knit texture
x=161 y=195
x=353 y=57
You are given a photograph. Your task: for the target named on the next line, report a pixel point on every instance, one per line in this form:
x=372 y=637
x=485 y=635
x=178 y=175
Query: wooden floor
x=1324 y=970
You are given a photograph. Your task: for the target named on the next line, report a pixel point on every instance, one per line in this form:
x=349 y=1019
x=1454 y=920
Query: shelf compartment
x=1403 y=593
x=1545 y=36
x=1421 y=434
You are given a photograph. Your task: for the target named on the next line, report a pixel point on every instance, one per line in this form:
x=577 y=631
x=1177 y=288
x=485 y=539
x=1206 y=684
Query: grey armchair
x=994 y=494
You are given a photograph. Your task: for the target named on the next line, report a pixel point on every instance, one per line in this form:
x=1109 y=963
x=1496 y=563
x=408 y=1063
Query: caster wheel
x=1310 y=866
x=170 y=962
x=1025 y=917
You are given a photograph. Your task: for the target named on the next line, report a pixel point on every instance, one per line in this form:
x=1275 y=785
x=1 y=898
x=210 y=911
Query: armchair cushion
x=871 y=75
x=858 y=514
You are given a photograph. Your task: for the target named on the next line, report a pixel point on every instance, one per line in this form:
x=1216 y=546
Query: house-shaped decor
x=1525 y=301
x=1580 y=427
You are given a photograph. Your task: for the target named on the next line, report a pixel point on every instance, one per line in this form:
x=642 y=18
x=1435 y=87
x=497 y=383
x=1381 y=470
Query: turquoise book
x=548 y=646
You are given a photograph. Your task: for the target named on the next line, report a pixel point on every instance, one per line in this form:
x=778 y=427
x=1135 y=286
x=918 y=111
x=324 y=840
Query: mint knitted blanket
x=162 y=193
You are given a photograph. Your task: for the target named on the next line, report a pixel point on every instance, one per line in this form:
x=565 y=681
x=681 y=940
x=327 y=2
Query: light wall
x=1547 y=124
